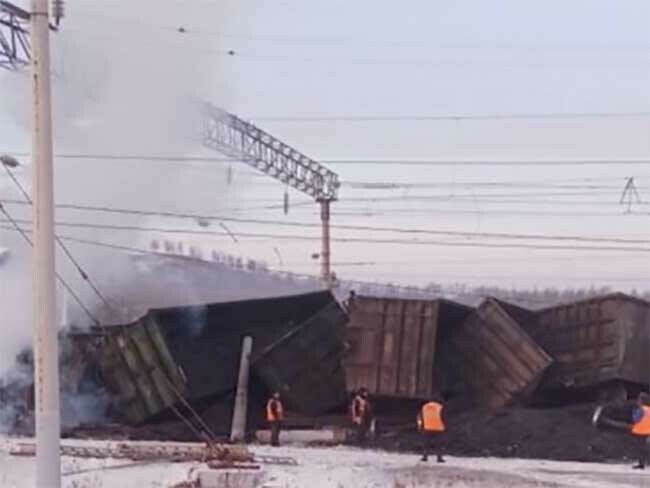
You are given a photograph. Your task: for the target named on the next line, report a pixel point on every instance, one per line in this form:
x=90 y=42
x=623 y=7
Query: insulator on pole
x=58 y=11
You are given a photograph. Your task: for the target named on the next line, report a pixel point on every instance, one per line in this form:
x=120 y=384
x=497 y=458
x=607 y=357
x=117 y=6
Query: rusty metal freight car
x=393 y=344
x=496 y=358
x=194 y=352
x=594 y=341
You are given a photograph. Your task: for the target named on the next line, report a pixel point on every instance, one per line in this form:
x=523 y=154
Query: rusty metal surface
x=393 y=344
x=496 y=358
x=595 y=340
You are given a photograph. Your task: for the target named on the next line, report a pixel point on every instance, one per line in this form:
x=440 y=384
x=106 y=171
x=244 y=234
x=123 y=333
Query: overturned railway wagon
x=495 y=357
x=595 y=341
x=393 y=345
x=192 y=354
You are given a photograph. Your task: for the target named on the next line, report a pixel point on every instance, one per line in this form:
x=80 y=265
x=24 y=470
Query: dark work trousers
x=275 y=432
x=362 y=430
x=644 y=452
x=432 y=443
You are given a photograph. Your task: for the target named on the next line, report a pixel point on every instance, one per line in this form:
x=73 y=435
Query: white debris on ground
x=339 y=467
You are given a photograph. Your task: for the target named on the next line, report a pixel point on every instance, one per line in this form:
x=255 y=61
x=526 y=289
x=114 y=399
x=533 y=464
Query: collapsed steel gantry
x=239 y=139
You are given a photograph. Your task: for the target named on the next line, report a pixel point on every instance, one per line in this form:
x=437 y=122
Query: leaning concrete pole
x=238 y=430
x=46 y=366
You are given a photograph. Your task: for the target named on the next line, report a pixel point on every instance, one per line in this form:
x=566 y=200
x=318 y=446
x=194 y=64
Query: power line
x=342 y=211
x=356 y=212
x=433 y=162
x=398 y=185
x=371 y=161
x=132 y=157
x=437 y=291
x=61 y=244
x=23 y=233
x=248 y=55
x=449 y=117
x=283 y=223
x=415 y=241
x=347 y=41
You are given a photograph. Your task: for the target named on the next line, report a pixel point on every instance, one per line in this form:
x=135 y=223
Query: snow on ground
x=337 y=467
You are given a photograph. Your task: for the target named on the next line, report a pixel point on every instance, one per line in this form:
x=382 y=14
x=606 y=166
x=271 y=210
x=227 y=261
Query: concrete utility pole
x=238 y=429
x=326 y=273
x=46 y=364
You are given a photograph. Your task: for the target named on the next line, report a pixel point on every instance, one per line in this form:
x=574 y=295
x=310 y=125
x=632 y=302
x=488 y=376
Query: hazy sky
x=126 y=81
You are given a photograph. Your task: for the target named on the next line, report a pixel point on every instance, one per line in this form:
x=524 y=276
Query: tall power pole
x=235 y=137
x=46 y=365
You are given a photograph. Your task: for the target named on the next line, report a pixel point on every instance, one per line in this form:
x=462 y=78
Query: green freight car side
x=137 y=366
x=305 y=363
x=192 y=354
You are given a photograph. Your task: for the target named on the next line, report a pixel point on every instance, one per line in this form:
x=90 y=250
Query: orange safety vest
x=278 y=414
x=430 y=419
x=358 y=410
x=642 y=427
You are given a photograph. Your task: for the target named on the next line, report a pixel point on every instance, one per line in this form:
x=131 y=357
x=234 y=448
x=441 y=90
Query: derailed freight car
x=596 y=341
x=193 y=352
x=393 y=345
x=495 y=357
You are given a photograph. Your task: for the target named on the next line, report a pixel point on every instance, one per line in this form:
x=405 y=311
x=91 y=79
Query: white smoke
x=117 y=90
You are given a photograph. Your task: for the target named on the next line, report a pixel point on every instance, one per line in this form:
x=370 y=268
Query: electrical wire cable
x=62 y=245
x=215 y=218
x=365 y=240
x=348 y=283
x=23 y=233
x=353 y=161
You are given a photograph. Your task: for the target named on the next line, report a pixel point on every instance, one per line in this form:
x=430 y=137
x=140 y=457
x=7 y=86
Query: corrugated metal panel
x=198 y=349
x=495 y=356
x=595 y=340
x=392 y=345
x=136 y=363
x=305 y=363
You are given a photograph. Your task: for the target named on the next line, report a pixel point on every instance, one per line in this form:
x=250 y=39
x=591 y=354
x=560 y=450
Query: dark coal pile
x=564 y=434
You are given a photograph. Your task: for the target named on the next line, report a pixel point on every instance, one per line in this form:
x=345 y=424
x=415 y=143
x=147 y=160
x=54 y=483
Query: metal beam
x=234 y=137
x=14 y=36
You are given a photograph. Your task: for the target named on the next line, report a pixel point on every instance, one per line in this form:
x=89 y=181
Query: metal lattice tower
x=14 y=36
x=237 y=138
x=230 y=135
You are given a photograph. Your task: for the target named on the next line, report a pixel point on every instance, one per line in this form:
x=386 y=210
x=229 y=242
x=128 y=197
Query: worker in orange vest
x=641 y=426
x=275 y=416
x=432 y=426
x=361 y=414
